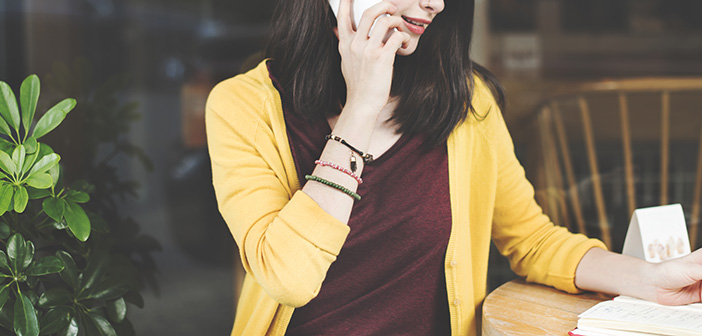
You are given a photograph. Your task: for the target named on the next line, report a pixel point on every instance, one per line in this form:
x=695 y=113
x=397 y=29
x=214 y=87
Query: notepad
x=626 y=316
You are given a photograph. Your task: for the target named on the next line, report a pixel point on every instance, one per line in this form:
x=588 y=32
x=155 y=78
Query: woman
x=338 y=242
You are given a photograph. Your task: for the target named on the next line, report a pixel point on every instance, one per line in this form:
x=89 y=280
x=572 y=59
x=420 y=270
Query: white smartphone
x=358 y=7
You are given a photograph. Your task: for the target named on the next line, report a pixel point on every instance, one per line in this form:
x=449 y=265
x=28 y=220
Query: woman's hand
x=679 y=281
x=672 y=282
x=366 y=61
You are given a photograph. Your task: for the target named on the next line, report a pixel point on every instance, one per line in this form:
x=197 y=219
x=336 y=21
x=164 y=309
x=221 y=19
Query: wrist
x=617 y=274
x=645 y=288
x=362 y=113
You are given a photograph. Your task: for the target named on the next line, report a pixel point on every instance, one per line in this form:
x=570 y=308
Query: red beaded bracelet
x=339 y=168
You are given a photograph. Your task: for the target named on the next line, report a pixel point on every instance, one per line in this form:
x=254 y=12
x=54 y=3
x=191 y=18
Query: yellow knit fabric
x=287 y=243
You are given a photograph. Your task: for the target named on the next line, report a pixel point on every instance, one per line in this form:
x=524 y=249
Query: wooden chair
x=609 y=147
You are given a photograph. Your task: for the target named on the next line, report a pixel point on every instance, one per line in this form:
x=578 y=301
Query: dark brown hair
x=434 y=84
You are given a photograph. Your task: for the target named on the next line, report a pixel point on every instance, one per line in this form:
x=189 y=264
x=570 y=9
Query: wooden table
x=521 y=308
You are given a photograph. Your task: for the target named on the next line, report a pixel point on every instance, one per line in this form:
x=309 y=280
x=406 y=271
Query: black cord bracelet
x=367 y=157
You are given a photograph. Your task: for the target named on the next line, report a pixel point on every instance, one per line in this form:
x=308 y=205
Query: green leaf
x=3 y=262
x=134 y=298
x=7 y=314
x=16 y=251
x=103 y=325
x=55 y=173
x=54 y=207
x=77 y=220
x=77 y=196
x=29 y=162
x=54 y=320
x=70 y=271
x=35 y=193
x=45 y=265
x=20 y=199
x=4 y=231
x=40 y=181
x=45 y=149
x=98 y=263
x=18 y=156
x=31 y=145
x=46 y=162
x=55 y=297
x=32 y=296
x=6 y=146
x=8 y=106
x=71 y=330
x=4 y=294
x=4 y=127
x=125 y=328
x=26 y=323
x=116 y=310
x=29 y=95
x=6 y=194
x=6 y=164
x=29 y=255
x=53 y=117
x=109 y=288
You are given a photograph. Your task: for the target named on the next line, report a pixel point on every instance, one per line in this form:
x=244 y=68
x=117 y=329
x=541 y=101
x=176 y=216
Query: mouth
x=417 y=22
x=415 y=25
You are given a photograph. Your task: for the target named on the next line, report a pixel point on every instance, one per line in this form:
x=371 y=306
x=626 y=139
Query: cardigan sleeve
x=536 y=248
x=286 y=241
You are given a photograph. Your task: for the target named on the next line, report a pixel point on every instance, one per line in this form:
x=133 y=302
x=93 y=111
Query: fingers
x=683 y=271
x=343 y=19
x=696 y=256
x=397 y=41
x=370 y=15
x=394 y=39
x=375 y=28
x=696 y=269
x=383 y=25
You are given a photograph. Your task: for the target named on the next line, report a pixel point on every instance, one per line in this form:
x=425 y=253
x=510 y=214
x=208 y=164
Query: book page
x=629 y=299
x=605 y=332
x=625 y=315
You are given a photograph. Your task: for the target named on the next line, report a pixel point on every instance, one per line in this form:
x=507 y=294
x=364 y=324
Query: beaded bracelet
x=339 y=168
x=367 y=157
x=334 y=185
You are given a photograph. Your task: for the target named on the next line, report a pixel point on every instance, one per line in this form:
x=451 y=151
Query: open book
x=626 y=316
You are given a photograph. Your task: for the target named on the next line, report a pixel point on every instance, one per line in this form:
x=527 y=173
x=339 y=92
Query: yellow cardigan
x=287 y=243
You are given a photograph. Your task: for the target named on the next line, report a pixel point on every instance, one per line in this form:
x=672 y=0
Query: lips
x=415 y=25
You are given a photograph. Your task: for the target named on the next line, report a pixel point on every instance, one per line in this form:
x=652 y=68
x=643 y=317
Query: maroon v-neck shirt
x=389 y=277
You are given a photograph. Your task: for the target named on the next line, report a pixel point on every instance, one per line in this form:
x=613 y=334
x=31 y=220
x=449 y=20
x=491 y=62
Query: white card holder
x=657 y=233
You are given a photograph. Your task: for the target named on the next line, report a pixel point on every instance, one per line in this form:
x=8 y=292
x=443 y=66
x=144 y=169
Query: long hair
x=434 y=84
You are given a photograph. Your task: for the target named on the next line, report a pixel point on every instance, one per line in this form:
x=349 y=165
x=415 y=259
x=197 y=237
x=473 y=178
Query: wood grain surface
x=520 y=308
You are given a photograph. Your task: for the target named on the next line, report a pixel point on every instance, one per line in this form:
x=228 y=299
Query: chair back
x=609 y=147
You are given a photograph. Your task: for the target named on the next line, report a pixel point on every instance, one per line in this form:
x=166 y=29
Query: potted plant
x=57 y=272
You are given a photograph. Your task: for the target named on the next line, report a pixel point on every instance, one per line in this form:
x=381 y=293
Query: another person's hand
x=367 y=62
x=679 y=281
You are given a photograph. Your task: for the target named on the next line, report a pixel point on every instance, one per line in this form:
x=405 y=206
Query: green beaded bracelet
x=334 y=185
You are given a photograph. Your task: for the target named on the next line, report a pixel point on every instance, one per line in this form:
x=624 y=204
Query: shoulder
x=483 y=98
x=486 y=116
x=245 y=96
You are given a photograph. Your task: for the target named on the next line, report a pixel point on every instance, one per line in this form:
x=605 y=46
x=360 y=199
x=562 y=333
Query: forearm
x=613 y=273
x=356 y=128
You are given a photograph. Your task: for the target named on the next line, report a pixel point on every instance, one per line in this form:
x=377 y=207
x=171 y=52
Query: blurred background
x=141 y=71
